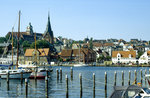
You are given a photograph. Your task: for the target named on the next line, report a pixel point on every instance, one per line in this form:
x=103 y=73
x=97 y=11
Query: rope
x=98 y=82
x=35 y=89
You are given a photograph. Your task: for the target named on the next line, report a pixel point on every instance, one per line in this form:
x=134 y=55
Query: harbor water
x=57 y=87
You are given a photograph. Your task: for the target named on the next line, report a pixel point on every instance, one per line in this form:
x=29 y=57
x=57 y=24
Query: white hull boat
x=40 y=73
x=15 y=73
x=80 y=65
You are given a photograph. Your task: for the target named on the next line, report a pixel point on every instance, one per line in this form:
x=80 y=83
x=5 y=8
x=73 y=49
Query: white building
x=125 y=57
x=145 y=58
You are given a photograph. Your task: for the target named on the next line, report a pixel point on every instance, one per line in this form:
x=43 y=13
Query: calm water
x=57 y=88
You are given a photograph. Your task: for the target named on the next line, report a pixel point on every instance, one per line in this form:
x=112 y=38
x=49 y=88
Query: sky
x=77 y=19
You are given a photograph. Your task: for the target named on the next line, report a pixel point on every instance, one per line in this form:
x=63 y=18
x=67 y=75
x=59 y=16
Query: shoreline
x=71 y=65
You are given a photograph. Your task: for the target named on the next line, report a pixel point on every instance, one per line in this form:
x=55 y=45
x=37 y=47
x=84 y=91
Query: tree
x=91 y=43
x=25 y=45
x=3 y=39
x=140 y=53
x=1 y=50
x=40 y=44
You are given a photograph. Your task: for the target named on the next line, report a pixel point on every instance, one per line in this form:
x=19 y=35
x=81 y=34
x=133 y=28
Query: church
x=28 y=35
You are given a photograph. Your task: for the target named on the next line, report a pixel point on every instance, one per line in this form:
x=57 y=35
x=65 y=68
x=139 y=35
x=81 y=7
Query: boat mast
x=18 y=35
x=12 y=44
x=35 y=48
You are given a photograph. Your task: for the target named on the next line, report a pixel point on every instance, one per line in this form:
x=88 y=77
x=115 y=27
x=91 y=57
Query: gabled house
x=42 y=56
x=145 y=58
x=85 y=55
x=124 y=57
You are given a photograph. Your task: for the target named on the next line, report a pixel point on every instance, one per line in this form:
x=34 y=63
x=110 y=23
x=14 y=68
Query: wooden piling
x=60 y=74
x=46 y=87
x=141 y=78
x=35 y=72
x=21 y=77
x=71 y=73
x=8 y=80
x=26 y=87
x=129 y=77
x=57 y=74
x=115 y=78
x=80 y=77
x=93 y=85
x=145 y=77
x=135 y=77
x=122 y=78
x=67 y=95
x=105 y=85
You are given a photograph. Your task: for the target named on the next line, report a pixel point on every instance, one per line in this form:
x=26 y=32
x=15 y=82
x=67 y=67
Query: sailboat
x=80 y=64
x=15 y=73
x=6 y=61
x=37 y=71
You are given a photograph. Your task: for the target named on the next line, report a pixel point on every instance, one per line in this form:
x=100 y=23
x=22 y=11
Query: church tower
x=48 y=34
x=29 y=29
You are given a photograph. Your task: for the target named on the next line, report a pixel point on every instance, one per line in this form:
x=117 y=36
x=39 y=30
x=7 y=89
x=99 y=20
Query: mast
x=18 y=35
x=35 y=48
x=12 y=44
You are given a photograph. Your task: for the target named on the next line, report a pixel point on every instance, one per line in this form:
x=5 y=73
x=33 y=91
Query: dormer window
x=118 y=55
x=130 y=55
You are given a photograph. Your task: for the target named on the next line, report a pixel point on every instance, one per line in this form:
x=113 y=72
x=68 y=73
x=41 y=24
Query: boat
x=37 y=71
x=15 y=73
x=80 y=65
x=132 y=91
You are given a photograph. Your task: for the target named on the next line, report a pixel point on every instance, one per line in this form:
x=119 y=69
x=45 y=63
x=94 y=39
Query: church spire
x=48 y=34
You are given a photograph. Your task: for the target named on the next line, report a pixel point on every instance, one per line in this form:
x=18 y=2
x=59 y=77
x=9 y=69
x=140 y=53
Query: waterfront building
x=124 y=57
x=84 y=55
x=145 y=58
x=42 y=56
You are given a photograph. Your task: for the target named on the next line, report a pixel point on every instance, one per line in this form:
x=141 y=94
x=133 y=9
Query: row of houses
x=130 y=57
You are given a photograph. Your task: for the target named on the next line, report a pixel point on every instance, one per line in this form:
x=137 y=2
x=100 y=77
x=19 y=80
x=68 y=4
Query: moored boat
x=15 y=73
x=80 y=65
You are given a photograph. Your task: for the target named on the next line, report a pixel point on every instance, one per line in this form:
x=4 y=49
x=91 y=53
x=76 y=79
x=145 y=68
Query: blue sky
x=77 y=19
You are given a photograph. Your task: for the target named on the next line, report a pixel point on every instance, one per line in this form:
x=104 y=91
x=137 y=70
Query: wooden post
x=135 y=76
x=129 y=77
x=8 y=80
x=115 y=78
x=93 y=85
x=141 y=78
x=46 y=87
x=122 y=78
x=105 y=85
x=149 y=73
x=60 y=74
x=71 y=72
x=35 y=73
x=21 y=77
x=80 y=77
x=67 y=95
x=26 y=87
x=57 y=74
x=145 y=77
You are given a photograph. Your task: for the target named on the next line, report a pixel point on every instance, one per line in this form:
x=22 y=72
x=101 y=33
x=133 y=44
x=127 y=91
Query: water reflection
x=57 y=88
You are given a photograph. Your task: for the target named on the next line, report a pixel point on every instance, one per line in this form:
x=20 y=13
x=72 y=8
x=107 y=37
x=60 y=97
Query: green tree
x=91 y=43
x=25 y=45
x=3 y=39
x=1 y=51
x=40 y=44
x=140 y=53
x=107 y=58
